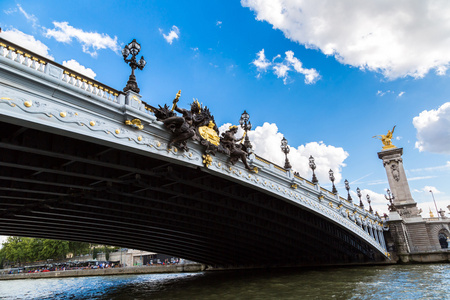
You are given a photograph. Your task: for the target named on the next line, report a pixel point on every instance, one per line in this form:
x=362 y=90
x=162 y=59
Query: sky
x=326 y=75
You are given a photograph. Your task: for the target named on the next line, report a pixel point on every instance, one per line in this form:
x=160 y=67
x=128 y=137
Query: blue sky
x=327 y=75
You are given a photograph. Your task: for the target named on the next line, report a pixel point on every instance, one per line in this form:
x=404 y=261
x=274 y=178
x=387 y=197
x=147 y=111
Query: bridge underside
x=57 y=187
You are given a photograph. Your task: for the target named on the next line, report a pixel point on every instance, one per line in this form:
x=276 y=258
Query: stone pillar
x=398 y=183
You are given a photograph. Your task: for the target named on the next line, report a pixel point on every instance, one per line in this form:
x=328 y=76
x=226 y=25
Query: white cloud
x=90 y=41
x=27 y=41
x=381 y=93
x=31 y=18
x=429 y=205
x=74 y=65
x=266 y=141
x=261 y=62
x=428 y=188
x=219 y=23
x=10 y=10
x=396 y=38
x=445 y=167
x=401 y=94
x=281 y=69
x=174 y=34
x=433 y=130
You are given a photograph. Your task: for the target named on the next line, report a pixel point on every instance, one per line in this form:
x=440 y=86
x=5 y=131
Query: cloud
x=395 y=38
x=10 y=11
x=401 y=94
x=26 y=41
x=30 y=18
x=174 y=34
x=281 y=69
x=266 y=141
x=433 y=130
x=74 y=65
x=445 y=167
x=219 y=24
x=90 y=41
x=261 y=63
x=381 y=93
x=430 y=189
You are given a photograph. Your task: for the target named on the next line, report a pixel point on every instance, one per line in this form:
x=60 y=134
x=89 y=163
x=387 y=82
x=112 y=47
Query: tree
x=94 y=253
x=78 y=248
x=53 y=249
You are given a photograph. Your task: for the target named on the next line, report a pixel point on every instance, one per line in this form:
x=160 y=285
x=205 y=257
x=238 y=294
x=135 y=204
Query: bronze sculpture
x=233 y=148
x=198 y=124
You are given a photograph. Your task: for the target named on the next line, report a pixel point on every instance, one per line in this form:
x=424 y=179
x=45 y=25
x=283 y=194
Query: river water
x=428 y=281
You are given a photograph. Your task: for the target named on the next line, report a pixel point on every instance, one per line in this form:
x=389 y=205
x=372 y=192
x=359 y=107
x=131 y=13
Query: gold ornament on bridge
x=175 y=101
x=209 y=134
x=135 y=123
x=28 y=103
x=386 y=139
x=207 y=160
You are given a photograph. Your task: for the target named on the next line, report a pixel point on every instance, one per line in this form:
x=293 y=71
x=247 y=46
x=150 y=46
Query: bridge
x=83 y=161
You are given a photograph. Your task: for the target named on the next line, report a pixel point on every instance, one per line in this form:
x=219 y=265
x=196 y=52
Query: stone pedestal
x=398 y=183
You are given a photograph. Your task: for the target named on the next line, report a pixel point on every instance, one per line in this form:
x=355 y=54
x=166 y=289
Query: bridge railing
x=34 y=62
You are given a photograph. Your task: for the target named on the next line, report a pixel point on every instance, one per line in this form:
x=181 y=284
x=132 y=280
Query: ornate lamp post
x=358 y=192
x=331 y=173
x=347 y=187
x=390 y=197
x=368 y=200
x=285 y=149
x=133 y=48
x=246 y=125
x=312 y=165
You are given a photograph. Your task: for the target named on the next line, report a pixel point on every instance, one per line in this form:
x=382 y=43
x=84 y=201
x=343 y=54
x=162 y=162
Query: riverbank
x=182 y=268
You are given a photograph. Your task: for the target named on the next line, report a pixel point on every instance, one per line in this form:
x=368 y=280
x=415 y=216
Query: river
x=428 y=281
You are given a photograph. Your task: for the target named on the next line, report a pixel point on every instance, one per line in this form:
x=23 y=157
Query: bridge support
x=409 y=233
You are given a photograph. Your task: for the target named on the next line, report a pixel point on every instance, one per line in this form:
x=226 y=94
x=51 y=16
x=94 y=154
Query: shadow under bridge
x=59 y=187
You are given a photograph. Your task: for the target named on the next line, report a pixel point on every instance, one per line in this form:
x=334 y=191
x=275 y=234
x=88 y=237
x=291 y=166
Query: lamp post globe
x=244 y=121
x=285 y=148
x=133 y=49
x=331 y=176
x=369 y=201
x=358 y=193
x=347 y=187
x=312 y=165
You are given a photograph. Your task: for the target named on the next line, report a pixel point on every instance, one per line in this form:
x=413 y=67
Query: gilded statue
x=209 y=134
x=386 y=139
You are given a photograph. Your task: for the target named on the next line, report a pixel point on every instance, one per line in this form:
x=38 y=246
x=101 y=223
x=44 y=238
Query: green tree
x=94 y=253
x=106 y=250
x=78 y=248
x=54 y=249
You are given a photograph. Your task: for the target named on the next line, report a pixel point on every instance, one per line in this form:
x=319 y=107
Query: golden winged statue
x=386 y=139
